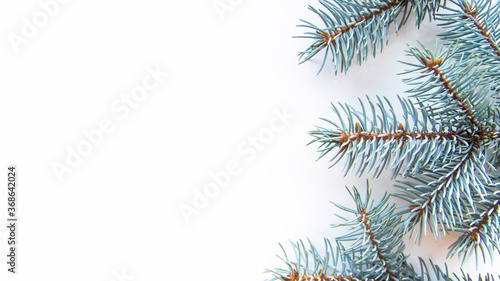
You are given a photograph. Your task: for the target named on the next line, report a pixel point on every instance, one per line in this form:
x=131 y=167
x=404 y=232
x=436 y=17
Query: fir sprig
x=353 y=29
x=381 y=140
x=373 y=250
x=473 y=25
x=445 y=141
x=480 y=227
x=442 y=143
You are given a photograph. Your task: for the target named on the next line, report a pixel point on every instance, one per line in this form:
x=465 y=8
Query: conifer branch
x=471 y=13
x=480 y=229
x=400 y=135
x=447 y=141
x=344 y=23
x=354 y=28
x=433 y=66
x=473 y=28
x=376 y=253
x=363 y=219
x=295 y=276
x=329 y=37
x=383 y=141
x=430 y=203
x=478 y=226
x=441 y=83
x=377 y=237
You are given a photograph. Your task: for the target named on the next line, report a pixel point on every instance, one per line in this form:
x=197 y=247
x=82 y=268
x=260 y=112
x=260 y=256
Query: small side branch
x=363 y=218
x=471 y=15
x=433 y=66
x=444 y=182
x=479 y=226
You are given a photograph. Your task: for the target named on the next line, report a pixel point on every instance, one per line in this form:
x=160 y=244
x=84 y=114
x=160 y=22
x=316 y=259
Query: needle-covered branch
x=372 y=251
x=444 y=138
x=374 y=139
x=473 y=27
x=480 y=227
x=454 y=92
x=353 y=29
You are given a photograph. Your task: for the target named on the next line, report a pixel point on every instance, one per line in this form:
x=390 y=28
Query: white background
x=115 y=215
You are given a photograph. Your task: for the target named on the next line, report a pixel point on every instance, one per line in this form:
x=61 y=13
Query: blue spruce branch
x=445 y=143
x=374 y=250
x=352 y=29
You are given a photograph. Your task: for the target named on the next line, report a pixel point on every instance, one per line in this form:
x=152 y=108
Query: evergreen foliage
x=444 y=147
x=374 y=250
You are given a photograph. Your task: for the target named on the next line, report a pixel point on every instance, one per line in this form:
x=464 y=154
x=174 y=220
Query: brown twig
x=330 y=37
